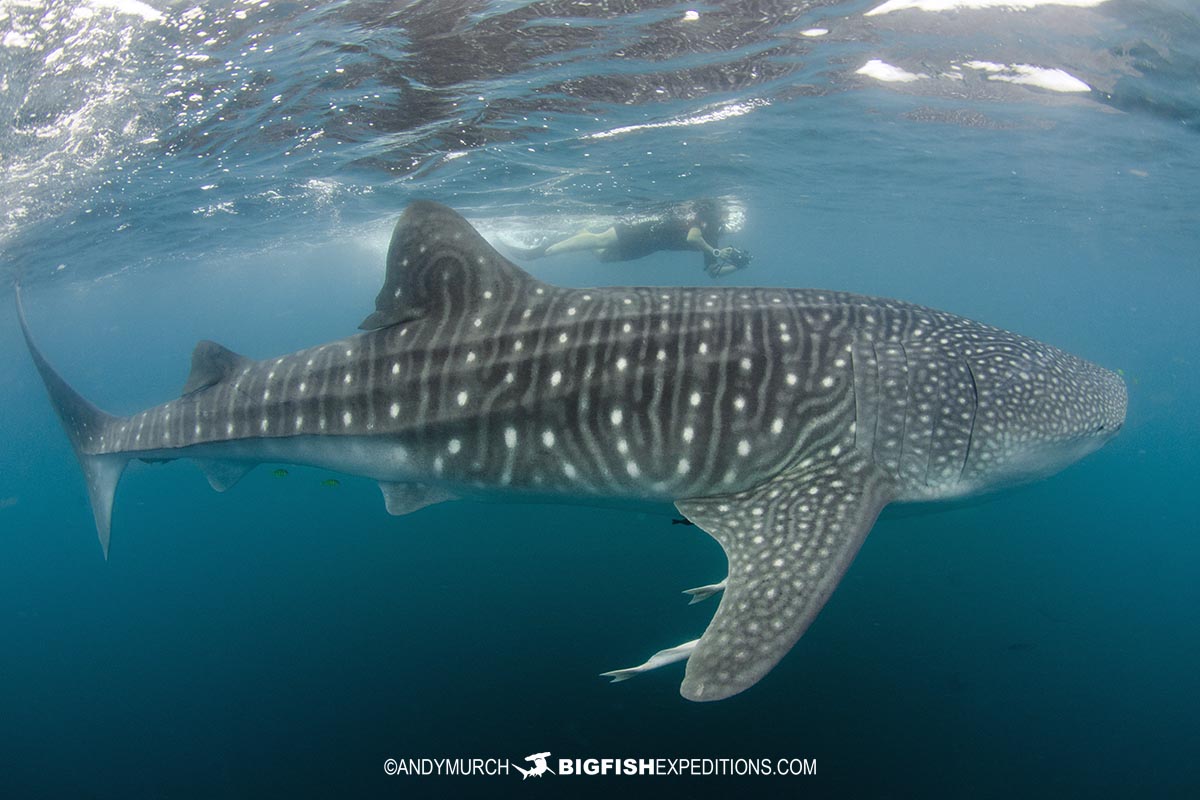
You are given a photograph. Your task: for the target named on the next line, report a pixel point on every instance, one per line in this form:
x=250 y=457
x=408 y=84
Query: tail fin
x=85 y=426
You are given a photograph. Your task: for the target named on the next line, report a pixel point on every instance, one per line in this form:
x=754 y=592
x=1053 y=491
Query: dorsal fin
x=211 y=364
x=436 y=258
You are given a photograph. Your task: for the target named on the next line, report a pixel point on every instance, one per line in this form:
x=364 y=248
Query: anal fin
x=405 y=498
x=223 y=474
x=789 y=540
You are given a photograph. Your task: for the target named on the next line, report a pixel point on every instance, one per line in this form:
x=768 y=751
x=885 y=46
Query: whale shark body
x=780 y=421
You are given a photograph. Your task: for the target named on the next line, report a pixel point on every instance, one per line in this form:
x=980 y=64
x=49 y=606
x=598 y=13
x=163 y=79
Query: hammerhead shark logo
x=539 y=768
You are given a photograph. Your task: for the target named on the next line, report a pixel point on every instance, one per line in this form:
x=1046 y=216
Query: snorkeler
x=695 y=225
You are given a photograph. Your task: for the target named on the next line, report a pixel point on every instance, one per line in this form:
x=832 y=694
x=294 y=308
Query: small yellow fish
x=331 y=482
x=280 y=473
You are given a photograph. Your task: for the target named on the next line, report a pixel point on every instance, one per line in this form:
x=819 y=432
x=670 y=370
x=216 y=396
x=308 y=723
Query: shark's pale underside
x=778 y=420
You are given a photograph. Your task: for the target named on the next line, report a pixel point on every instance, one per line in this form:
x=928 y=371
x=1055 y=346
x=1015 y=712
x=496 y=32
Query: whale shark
x=779 y=421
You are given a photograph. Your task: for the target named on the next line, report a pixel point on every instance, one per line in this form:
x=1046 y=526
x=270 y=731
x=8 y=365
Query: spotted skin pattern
x=800 y=411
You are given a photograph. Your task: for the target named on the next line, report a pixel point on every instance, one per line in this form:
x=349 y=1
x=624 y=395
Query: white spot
x=438 y=464
x=836 y=450
x=548 y=438
x=310 y=362
x=626 y=328
x=348 y=378
x=622 y=363
x=689 y=433
x=694 y=399
x=743 y=448
x=394 y=410
x=510 y=437
x=347 y=418
x=477 y=322
x=556 y=378
x=662 y=355
x=703 y=348
x=616 y=416
x=571 y=311
x=509 y=377
x=518 y=346
x=568 y=470
x=470 y=356
x=454 y=446
x=777 y=426
x=487 y=295
x=622 y=446
x=632 y=468
x=562 y=338
x=462 y=398
x=228 y=428
x=739 y=402
x=683 y=467
x=827 y=381
x=745 y=364
x=299 y=423
x=264 y=425
x=791 y=379
x=303 y=387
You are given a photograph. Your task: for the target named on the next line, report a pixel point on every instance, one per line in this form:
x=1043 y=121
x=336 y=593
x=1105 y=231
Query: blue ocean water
x=174 y=172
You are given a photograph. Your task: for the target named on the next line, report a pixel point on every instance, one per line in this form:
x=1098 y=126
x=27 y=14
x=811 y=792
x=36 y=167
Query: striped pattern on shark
x=780 y=421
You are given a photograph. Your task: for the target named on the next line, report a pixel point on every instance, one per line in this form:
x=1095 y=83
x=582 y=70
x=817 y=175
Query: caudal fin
x=87 y=428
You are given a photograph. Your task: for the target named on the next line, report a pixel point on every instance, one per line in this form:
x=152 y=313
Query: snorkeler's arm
x=696 y=239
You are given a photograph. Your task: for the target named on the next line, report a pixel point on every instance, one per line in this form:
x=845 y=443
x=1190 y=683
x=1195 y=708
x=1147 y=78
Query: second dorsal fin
x=211 y=364
x=438 y=264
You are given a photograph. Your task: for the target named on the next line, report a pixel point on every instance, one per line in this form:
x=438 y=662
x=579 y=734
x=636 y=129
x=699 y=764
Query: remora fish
x=780 y=421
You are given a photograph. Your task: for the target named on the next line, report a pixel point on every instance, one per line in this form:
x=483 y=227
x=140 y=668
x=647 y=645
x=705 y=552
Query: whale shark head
x=1039 y=410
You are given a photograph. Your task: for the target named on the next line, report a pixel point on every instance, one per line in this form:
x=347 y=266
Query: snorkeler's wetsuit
x=640 y=238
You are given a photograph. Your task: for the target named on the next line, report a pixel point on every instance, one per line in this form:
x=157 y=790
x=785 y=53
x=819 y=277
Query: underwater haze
x=178 y=171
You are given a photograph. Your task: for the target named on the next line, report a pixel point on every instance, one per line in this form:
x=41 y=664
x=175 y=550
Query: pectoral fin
x=789 y=541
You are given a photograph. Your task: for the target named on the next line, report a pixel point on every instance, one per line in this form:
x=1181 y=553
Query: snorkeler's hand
x=727 y=260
